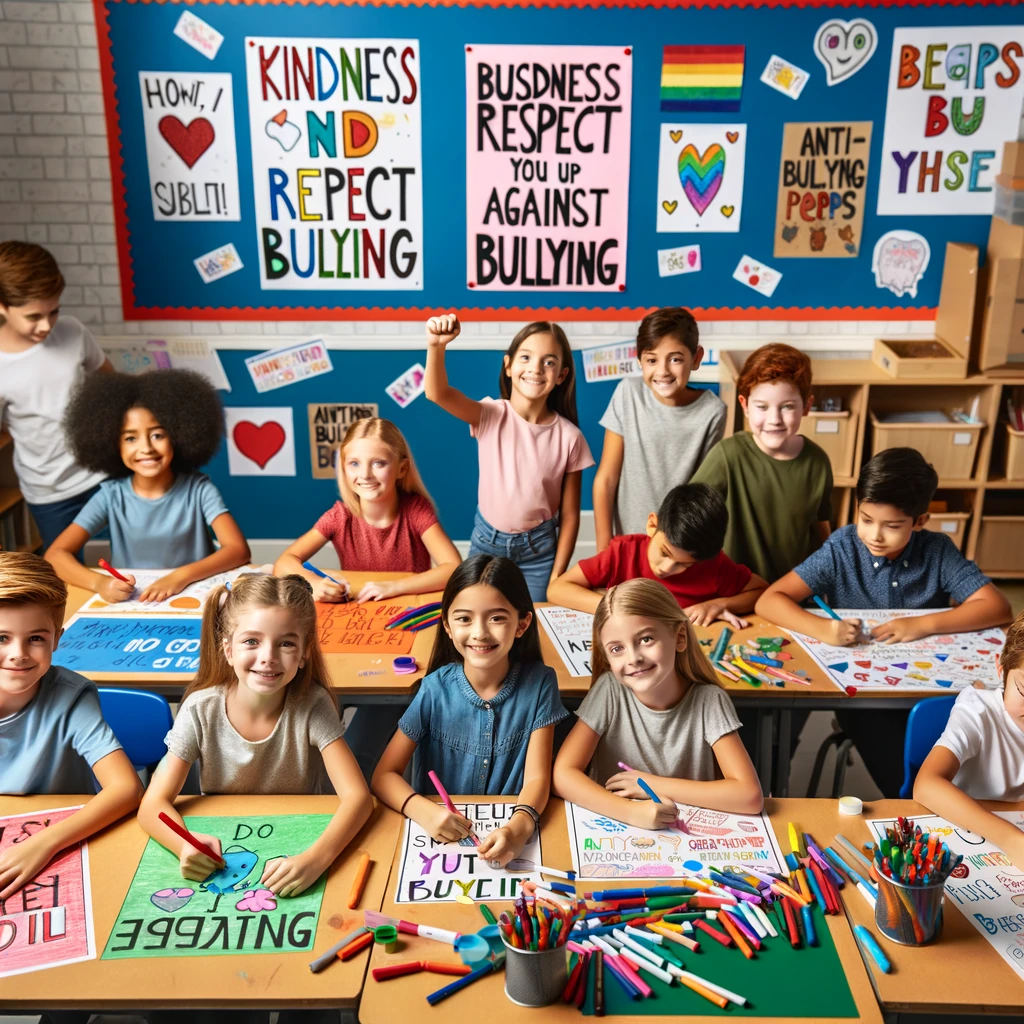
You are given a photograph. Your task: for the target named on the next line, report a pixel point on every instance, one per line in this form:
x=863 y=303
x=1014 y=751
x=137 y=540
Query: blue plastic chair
x=927 y=720
x=140 y=721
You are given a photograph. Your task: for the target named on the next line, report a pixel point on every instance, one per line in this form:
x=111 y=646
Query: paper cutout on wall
x=844 y=47
x=328 y=424
x=610 y=362
x=218 y=263
x=899 y=261
x=759 y=276
x=261 y=441
x=700 y=177
x=283 y=366
x=684 y=260
x=784 y=77
x=198 y=34
x=702 y=78
x=407 y=388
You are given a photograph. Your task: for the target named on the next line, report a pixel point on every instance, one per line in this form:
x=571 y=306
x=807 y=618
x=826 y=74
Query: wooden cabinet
x=17 y=529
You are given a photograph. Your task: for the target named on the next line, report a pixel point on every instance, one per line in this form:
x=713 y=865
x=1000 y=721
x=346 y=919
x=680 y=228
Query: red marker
x=189 y=838
x=104 y=564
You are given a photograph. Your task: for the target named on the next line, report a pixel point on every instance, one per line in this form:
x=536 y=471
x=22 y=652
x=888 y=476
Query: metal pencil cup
x=909 y=914
x=534 y=979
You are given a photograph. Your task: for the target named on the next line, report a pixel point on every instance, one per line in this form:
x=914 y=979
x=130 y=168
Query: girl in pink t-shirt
x=385 y=522
x=532 y=452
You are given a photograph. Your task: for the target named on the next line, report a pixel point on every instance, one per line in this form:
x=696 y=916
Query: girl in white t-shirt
x=980 y=755
x=532 y=451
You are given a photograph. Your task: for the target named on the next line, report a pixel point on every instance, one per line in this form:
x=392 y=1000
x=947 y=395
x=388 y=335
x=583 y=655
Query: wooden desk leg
x=765 y=734
x=782 y=762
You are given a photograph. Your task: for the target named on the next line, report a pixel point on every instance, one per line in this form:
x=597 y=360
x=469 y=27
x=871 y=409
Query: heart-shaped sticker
x=189 y=141
x=732 y=136
x=675 y=136
x=844 y=47
x=260 y=444
x=728 y=211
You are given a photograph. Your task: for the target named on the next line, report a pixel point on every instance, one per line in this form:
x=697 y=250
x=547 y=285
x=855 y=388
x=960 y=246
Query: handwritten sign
x=572 y=634
x=610 y=362
x=47 y=922
x=198 y=34
x=328 y=423
x=547 y=167
x=433 y=872
x=283 y=366
x=218 y=263
x=360 y=629
x=130 y=643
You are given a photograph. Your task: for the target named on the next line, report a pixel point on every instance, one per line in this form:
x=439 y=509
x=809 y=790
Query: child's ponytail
x=214 y=669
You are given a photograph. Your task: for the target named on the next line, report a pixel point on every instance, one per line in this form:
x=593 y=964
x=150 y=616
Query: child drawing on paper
x=656 y=713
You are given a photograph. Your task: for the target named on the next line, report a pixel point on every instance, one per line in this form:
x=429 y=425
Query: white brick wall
x=55 y=190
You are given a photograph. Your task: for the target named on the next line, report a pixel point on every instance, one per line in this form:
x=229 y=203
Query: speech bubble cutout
x=844 y=47
x=899 y=261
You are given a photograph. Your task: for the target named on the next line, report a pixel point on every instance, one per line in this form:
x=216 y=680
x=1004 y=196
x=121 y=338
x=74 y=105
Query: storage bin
x=1014 y=453
x=834 y=432
x=952 y=524
x=1009 y=205
x=1001 y=544
x=950 y=447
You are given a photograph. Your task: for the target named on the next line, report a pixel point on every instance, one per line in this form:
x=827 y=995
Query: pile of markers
x=909 y=855
x=415 y=619
x=757 y=662
x=543 y=916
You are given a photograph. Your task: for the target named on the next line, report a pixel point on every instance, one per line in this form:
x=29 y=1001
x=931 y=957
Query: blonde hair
x=29 y=579
x=391 y=437
x=650 y=600
x=225 y=606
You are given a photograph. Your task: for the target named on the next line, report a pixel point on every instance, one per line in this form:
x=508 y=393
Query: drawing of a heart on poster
x=189 y=141
x=261 y=441
x=700 y=177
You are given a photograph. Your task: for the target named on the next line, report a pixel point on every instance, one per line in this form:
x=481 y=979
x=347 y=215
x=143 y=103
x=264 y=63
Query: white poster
x=700 y=177
x=289 y=365
x=336 y=137
x=189 y=602
x=261 y=441
x=985 y=887
x=955 y=97
x=571 y=632
x=189 y=125
x=609 y=362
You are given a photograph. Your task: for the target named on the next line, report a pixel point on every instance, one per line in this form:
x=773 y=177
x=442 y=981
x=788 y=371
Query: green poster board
x=230 y=913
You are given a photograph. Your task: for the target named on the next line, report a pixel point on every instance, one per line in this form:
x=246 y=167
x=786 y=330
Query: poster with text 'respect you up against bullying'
x=547 y=167
x=337 y=162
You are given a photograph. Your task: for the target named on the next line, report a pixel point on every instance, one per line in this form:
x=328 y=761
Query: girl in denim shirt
x=485 y=713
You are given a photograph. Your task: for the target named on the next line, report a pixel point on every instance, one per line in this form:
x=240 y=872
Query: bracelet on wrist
x=405 y=802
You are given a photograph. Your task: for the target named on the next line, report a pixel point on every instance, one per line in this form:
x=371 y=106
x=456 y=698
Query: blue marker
x=825 y=608
x=812 y=938
x=309 y=567
x=867 y=941
x=647 y=789
x=449 y=990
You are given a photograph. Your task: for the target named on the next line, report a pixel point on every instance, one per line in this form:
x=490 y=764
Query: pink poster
x=547 y=167
x=48 y=922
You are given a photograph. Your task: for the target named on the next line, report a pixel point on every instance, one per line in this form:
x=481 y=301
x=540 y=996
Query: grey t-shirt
x=662 y=446
x=675 y=744
x=287 y=761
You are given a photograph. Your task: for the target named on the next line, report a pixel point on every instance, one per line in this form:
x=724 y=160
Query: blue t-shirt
x=478 y=747
x=53 y=742
x=164 y=533
x=929 y=573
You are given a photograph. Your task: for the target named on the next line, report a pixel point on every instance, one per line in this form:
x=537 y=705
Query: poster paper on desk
x=48 y=922
x=987 y=889
x=572 y=634
x=189 y=602
x=700 y=839
x=130 y=643
x=939 y=662
x=433 y=872
x=351 y=628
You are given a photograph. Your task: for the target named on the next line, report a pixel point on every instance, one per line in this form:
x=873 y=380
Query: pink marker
x=447 y=800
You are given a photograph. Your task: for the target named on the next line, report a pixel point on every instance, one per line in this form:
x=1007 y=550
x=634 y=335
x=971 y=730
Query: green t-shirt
x=773 y=503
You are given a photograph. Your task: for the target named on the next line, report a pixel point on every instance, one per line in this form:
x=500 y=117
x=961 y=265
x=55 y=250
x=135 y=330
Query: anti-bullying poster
x=337 y=165
x=547 y=167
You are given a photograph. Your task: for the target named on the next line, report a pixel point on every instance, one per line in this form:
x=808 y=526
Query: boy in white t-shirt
x=980 y=755
x=41 y=360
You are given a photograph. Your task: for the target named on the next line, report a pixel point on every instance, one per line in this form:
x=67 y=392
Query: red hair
x=772 y=363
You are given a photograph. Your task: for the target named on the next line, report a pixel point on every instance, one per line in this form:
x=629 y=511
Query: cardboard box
x=1013 y=159
x=1010 y=184
x=1001 y=331
x=1005 y=240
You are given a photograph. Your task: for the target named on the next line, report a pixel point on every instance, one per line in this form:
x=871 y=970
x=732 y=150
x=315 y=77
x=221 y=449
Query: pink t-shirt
x=522 y=465
x=395 y=548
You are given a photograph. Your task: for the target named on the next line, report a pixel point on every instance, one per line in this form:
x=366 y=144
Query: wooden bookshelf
x=17 y=529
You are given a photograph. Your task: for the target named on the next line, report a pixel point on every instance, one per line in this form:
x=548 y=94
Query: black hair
x=899 y=477
x=693 y=517
x=668 y=322
x=507 y=578
x=563 y=396
x=183 y=402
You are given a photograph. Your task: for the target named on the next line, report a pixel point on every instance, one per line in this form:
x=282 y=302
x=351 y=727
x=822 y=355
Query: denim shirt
x=476 y=746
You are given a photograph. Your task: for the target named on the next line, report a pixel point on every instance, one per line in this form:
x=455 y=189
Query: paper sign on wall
x=572 y=634
x=955 y=97
x=684 y=260
x=409 y=386
x=899 y=261
x=283 y=366
x=610 y=362
x=784 y=77
x=130 y=643
x=189 y=126
x=198 y=34
x=759 y=276
x=261 y=441
x=218 y=263
x=547 y=168
x=328 y=423
x=700 y=177
x=336 y=128
x=844 y=47
x=823 y=180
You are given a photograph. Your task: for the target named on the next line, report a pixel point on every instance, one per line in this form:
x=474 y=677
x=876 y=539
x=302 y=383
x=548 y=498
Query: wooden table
x=405 y=998
x=222 y=981
x=960 y=973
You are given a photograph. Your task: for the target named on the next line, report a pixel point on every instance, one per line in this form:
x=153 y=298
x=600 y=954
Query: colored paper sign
x=189 y=125
x=198 y=34
x=433 y=872
x=336 y=129
x=130 y=643
x=684 y=260
x=361 y=629
x=189 y=602
x=699 y=840
x=48 y=921
x=261 y=441
x=547 y=167
x=986 y=887
x=939 y=662
x=823 y=180
x=218 y=263
x=164 y=915
x=899 y=261
x=283 y=366
x=149 y=355
x=844 y=47
x=610 y=362
x=328 y=423
x=702 y=78
x=955 y=98
x=407 y=388
x=784 y=77
x=700 y=177
x=759 y=276
x=572 y=634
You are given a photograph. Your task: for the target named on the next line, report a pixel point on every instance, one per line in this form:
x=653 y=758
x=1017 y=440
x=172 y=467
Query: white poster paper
x=684 y=260
x=700 y=177
x=189 y=602
x=899 y=261
x=784 y=77
x=955 y=97
x=218 y=263
x=610 y=362
x=198 y=34
x=336 y=132
x=261 y=441
x=189 y=125
x=283 y=366
x=433 y=872
x=759 y=276
x=844 y=47
x=571 y=632
x=407 y=388
x=986 y=888
x=700 y=839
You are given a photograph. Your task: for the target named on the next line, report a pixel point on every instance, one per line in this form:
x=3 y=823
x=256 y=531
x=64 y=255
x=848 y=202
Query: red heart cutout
x=191 y=142
x=260 y=444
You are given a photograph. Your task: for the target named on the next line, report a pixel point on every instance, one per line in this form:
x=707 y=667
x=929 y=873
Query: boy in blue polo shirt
x=887 y=560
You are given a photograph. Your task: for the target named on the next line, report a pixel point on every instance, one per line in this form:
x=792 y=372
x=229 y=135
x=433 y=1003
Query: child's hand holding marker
x=195 y=865
x=326 y=588
x=443 y=329
x=116 y=587
x=836 y=631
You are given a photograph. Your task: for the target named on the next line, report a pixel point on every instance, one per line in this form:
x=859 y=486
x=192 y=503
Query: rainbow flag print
x=702 y=78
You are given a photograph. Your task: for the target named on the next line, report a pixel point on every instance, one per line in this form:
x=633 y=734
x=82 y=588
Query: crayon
x=439 y=967
x=647 y=789
x=725 y=940
x=397 y=970
x=825 y=608
x=356 y=946
x=359 y=882
x=812 y=938
x=328 y=955
x=868 y=943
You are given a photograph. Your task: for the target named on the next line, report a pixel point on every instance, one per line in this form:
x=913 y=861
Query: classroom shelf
x=17 y=528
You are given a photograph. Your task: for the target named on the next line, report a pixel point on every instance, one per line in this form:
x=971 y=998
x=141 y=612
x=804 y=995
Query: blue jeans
x=54 y=518
x=533 y=551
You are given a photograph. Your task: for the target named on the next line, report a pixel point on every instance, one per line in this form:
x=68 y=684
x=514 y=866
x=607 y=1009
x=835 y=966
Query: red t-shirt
x=626 y=559
x=395 y=548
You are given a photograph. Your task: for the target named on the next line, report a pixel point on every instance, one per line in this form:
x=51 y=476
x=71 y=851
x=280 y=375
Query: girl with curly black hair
x=149 y=434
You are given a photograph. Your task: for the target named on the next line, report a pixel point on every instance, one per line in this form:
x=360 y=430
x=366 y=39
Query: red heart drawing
x=260 y=444
x=191 y=142
x=754 y=279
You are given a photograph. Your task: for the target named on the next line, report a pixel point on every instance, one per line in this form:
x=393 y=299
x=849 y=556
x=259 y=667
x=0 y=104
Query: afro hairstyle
x=183 y=402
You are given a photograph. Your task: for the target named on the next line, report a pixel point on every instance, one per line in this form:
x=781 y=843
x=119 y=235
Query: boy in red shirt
x=683 y=550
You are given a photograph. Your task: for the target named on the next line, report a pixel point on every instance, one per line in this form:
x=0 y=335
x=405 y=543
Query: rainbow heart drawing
x=701 y=175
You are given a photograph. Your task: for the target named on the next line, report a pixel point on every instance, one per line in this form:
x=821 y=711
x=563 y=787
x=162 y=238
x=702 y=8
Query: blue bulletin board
x=422 y=57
